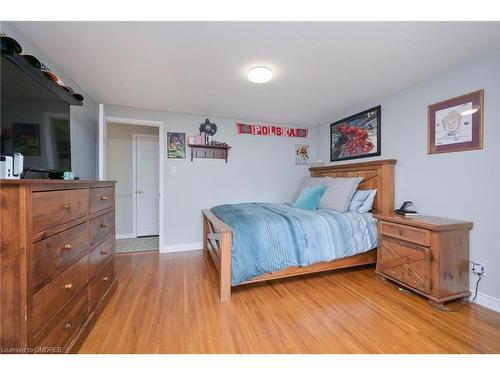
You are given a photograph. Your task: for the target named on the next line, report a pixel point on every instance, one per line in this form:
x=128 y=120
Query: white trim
x=134 y=179
x=133 y=121
x=124 y=236
x=181 y=247
x=162 y=140
x=134 y=187
x=100 y=144
x=487 y=301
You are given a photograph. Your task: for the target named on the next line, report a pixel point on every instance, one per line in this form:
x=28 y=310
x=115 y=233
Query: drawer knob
x=104 y=225
x=401 y=232
x=104 y=198
x=66 y=206
x=103 y=252
x=67 y=246
x=68 y=326
x=68 y=286
x=105 y=278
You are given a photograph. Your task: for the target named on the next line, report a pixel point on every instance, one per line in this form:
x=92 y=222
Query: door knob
x=140 y=192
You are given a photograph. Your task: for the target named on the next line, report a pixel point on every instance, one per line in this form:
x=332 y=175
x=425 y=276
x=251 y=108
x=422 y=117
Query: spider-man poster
x=357 y=136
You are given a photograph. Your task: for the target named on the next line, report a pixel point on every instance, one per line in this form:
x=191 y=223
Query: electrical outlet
x=478 y=268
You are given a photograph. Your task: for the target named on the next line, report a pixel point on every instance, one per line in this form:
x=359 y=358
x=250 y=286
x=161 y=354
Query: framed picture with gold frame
x=456 y=124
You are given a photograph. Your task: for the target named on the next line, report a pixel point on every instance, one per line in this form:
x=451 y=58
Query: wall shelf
x=209 y=152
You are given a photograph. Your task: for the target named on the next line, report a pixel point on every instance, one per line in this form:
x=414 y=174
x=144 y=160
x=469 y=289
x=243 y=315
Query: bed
x=307 y=239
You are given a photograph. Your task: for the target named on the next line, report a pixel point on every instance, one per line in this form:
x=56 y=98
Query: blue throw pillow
x=362 y=201
x=309 y=198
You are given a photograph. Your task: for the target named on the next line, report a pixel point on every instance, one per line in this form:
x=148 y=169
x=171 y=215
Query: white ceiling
x=200 y=67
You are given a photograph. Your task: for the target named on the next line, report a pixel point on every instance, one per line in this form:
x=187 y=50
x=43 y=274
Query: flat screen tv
x=35 y=121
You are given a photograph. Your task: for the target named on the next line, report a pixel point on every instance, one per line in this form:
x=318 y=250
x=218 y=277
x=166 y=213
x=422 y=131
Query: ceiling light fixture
x=260 y=74
x=469 y=111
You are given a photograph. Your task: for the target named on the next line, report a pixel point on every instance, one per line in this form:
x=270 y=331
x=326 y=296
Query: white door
x=147 y=185
x=102 y=144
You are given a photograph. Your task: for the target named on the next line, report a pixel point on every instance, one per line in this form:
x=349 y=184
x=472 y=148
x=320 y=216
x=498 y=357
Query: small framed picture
x=176 y=145
x=456 y=124
x=301 y=154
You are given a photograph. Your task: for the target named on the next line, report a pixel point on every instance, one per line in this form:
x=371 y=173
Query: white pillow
x=339 y=193
x=367 y=204
x=310 y=182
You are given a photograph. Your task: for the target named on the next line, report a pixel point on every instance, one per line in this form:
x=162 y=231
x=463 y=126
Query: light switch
x=173 y=169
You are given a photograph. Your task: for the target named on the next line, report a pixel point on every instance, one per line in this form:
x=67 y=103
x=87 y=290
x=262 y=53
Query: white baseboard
x=181 y=247
x=126 y=235
x=487 y=301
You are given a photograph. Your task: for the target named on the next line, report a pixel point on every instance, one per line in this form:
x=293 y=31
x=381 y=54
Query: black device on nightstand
x=403 y=210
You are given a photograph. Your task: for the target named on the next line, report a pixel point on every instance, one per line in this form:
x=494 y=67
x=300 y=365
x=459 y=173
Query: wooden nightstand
x=429 y=255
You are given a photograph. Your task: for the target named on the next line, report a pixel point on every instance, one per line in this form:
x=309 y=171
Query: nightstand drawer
x=406 y=233
x=405 y=262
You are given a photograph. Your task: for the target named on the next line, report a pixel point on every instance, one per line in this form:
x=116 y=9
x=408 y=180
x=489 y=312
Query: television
x=34 y=121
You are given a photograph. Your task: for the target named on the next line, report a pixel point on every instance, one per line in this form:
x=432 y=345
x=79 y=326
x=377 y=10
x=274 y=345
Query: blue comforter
x=273 y=236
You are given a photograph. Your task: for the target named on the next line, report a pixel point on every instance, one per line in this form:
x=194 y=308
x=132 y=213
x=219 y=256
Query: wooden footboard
x=217 y=240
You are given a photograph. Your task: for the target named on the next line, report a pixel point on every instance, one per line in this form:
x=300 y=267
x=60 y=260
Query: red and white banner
x=280 y=131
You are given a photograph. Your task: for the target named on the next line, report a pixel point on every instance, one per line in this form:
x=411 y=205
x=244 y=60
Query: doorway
x=132 y=157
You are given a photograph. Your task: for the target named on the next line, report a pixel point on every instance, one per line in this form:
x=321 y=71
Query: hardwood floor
x=168 y=303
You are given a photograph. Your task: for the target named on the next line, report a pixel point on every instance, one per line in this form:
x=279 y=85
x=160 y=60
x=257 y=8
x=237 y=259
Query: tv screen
x=35 y=122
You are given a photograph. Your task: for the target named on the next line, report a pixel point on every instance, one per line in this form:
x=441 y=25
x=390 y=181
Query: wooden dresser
x=429 y=255
x=57 y=262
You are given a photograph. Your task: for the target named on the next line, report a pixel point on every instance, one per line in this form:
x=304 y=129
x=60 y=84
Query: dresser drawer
x=53 y=255
x=405 y=262
x=101 y=227
x=101 y=283
x=100 y=255
x=52 y=208
x=65 y=324
x=52 y=297
x=101 y=198
x=407 y=233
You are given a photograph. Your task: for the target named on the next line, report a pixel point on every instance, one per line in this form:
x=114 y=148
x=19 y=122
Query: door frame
x=134 y=178
x=101 y=144
x=162 y=151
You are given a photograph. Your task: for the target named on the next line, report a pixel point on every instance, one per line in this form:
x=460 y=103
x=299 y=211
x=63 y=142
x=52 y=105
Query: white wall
x=119 y=159
x=460 y=185
x=259 y=168
x=83 y=119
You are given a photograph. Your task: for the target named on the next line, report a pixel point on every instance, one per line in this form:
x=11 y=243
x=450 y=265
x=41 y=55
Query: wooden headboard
x=377 y=174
